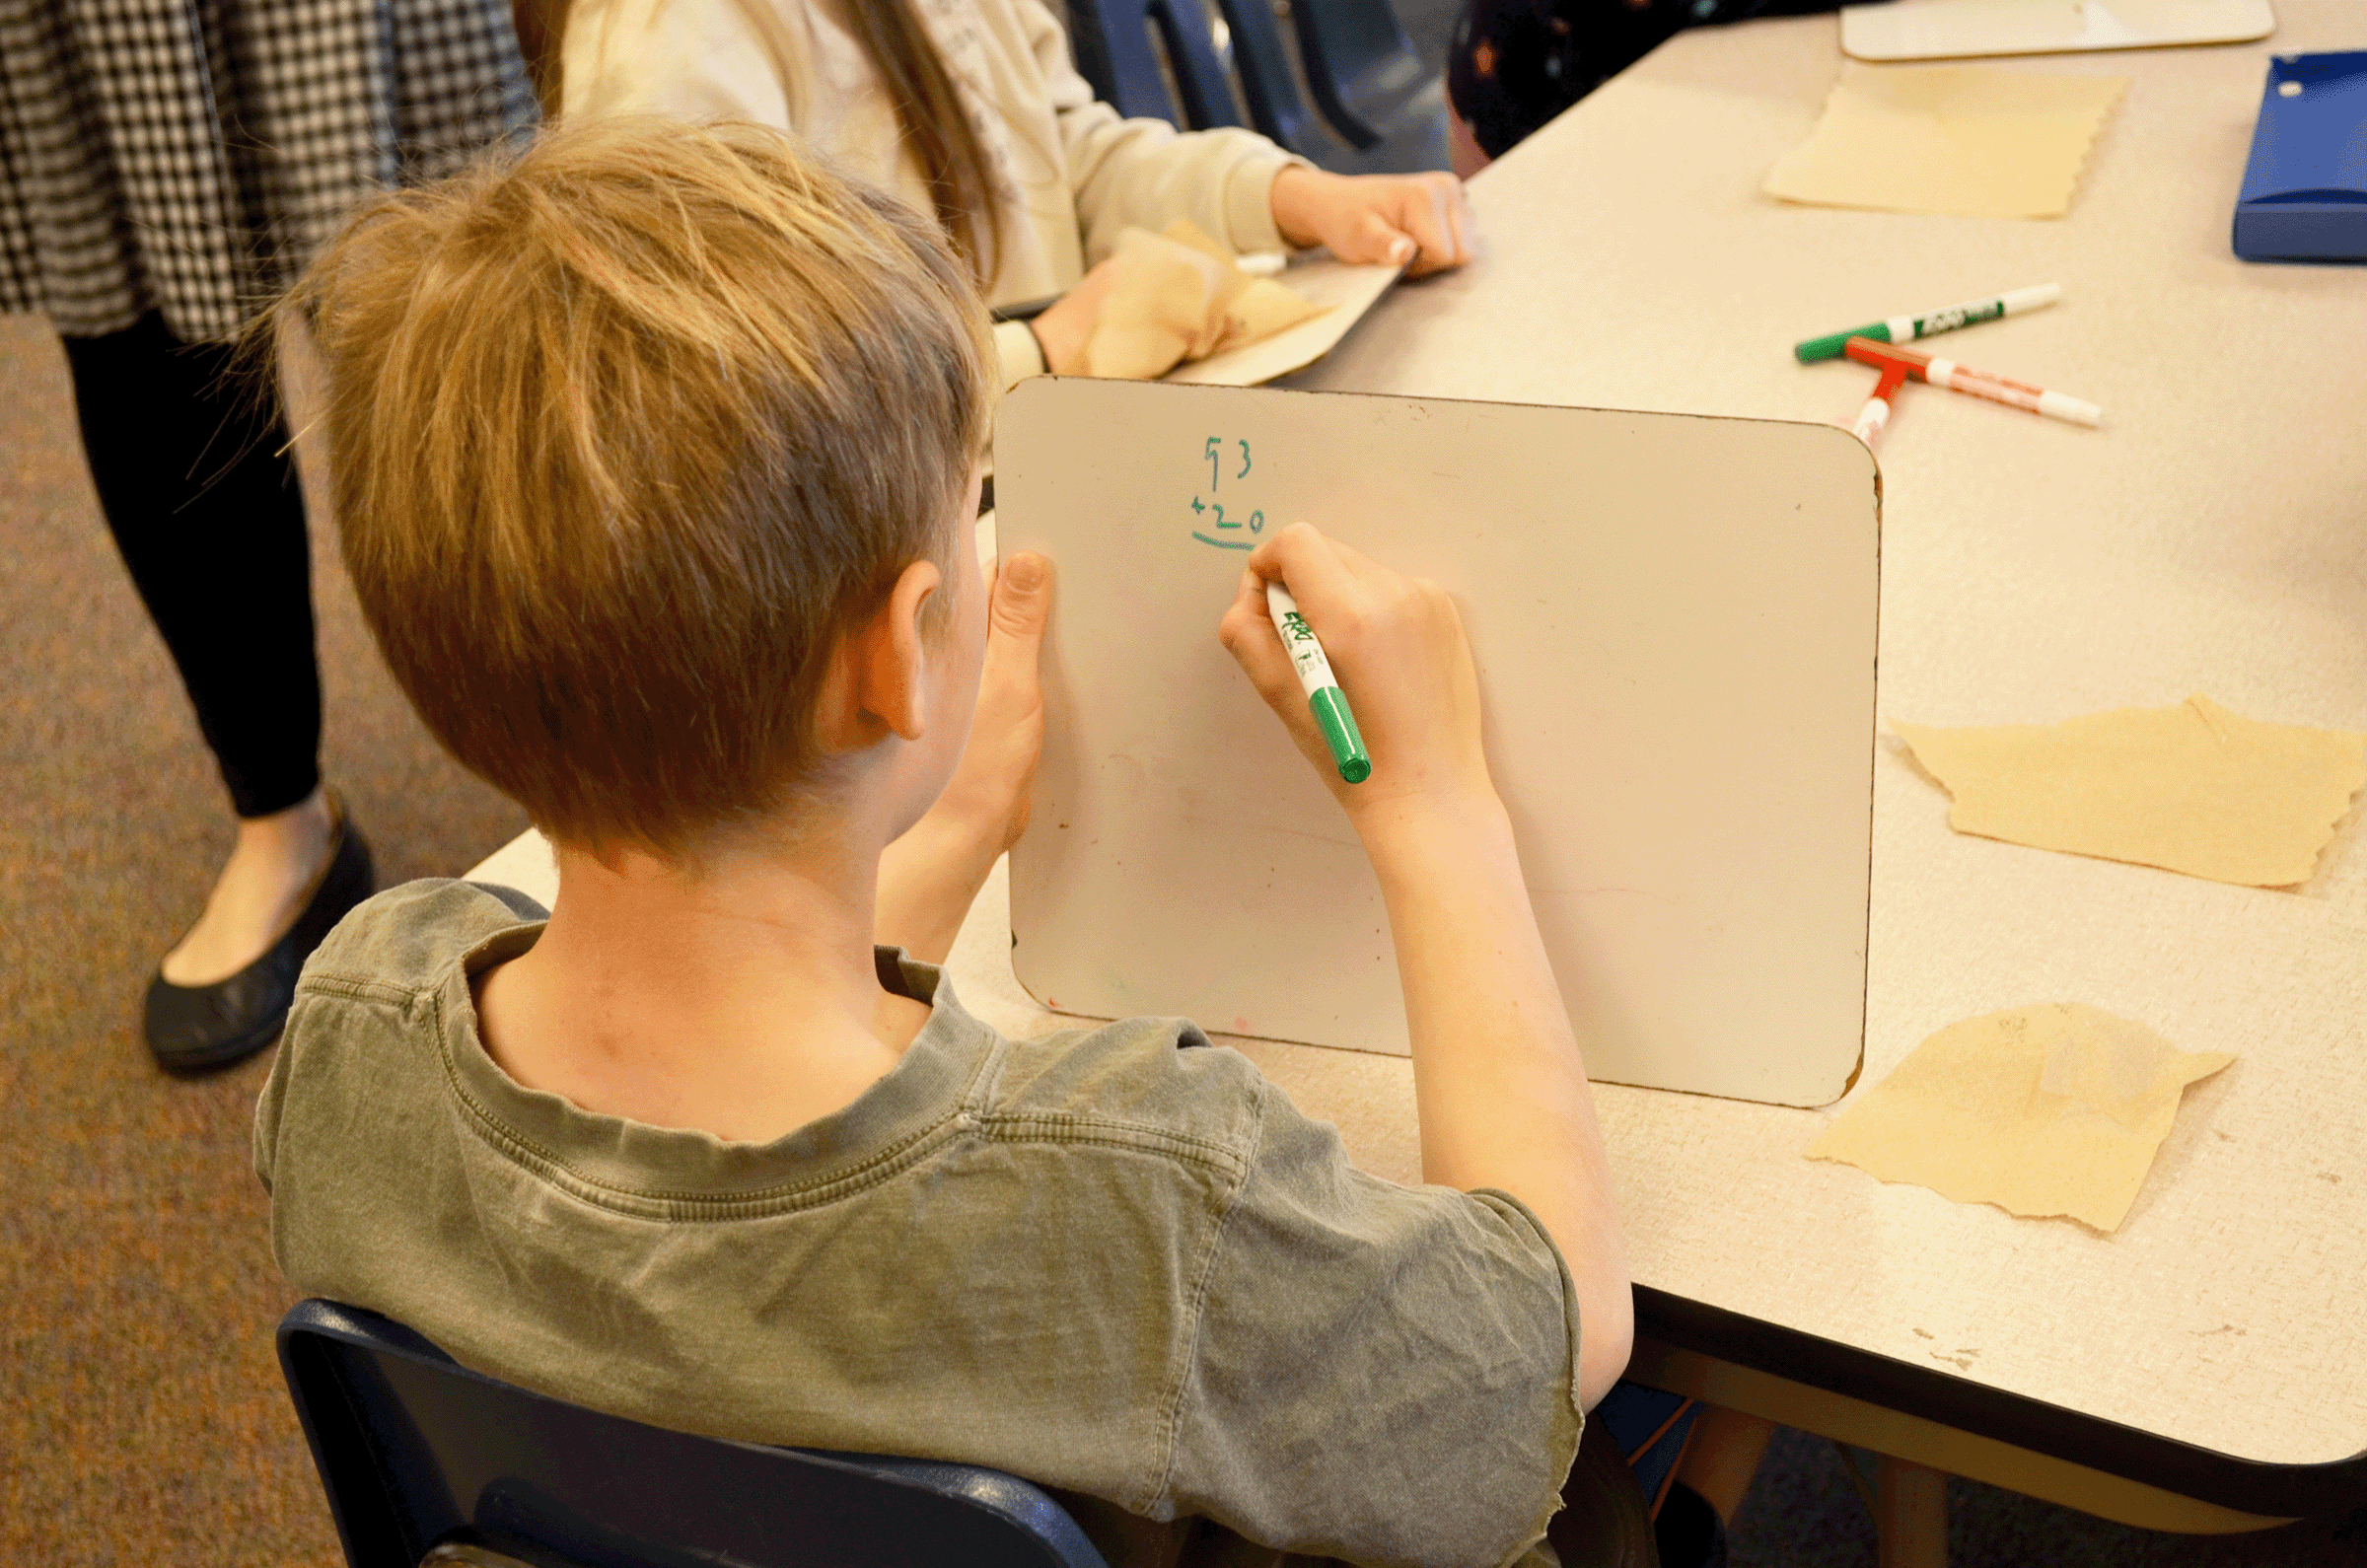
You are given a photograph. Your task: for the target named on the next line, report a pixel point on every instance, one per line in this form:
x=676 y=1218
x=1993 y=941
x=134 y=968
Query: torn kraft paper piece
x=1177 y=296
x=2193 y=788
x=2053 y=1110
x=1963 y=140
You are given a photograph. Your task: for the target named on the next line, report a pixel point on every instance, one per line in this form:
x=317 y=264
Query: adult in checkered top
x=166 y=167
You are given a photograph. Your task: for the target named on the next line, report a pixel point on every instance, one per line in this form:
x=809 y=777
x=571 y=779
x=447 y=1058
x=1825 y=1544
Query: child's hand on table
x=1398 y=646
x=1066 y=325
x=929 y=876
x=1420 y=221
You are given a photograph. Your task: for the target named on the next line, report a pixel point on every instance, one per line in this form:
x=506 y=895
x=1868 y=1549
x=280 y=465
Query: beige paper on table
x=2193 y=788
x=1971 y=141
x=1178 y=295
x=1342 y=292
x=2054 y=1109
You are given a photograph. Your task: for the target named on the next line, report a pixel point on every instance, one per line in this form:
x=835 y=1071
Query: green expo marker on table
x=1907 y=328
x=1324 y=699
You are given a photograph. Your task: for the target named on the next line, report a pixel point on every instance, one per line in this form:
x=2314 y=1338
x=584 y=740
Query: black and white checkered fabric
x=188 y=156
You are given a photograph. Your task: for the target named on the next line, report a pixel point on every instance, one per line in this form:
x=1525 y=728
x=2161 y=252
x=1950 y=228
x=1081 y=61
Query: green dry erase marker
x=1324 y=699
x=1907 y=328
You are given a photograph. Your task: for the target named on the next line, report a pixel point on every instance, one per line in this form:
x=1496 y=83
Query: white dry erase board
x=1944 y=29
x=1674 y=619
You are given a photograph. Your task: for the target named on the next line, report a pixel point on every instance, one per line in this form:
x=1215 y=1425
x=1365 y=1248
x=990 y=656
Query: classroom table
x=2207 y=1361
x=2206 y=1367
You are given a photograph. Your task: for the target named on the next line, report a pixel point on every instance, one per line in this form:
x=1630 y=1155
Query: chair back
x=1268 y=84
x=1113 y=40
x=1359 y=67
x=420 y=1456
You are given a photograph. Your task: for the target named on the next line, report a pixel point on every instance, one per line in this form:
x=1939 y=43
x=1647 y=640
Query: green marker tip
x=1331 y=708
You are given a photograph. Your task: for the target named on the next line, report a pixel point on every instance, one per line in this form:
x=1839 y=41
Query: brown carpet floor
x=142 y=1419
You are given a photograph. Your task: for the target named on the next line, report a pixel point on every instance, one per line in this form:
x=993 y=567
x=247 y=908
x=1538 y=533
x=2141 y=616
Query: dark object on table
x=1515 y=64
x=2305 y=188
x=418 y=1453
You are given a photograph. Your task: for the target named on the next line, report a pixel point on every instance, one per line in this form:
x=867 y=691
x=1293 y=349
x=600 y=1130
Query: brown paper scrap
x=2193 y=788
x=1969 y=140
x=2054 y=1109
x=1177 y=297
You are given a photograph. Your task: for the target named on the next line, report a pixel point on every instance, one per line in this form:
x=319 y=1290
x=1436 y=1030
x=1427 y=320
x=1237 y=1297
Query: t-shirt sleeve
x=267 y=1111
x=1379 y=1373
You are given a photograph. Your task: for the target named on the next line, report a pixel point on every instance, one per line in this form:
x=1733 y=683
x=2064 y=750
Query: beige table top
x=2212 y=537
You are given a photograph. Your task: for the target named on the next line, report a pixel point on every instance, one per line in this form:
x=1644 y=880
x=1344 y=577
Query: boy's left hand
x=1421 y=222
x=929 y=876
x=988 y=793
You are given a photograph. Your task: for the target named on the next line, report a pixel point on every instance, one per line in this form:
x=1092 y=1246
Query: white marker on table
x=1876 y=414
x=1973 y=383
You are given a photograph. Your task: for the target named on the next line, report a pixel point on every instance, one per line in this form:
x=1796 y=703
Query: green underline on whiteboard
x=1223 y=544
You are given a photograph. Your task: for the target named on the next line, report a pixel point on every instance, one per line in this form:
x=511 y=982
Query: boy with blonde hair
x=653 y=455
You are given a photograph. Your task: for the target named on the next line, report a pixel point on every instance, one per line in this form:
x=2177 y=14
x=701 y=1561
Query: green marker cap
x=1833 y=347
x=1330 y=710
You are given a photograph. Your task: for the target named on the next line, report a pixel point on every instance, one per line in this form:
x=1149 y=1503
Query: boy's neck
x=741 y=1001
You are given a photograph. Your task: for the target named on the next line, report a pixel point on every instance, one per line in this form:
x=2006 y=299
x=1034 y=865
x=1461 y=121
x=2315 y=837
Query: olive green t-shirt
x=1118 y=1263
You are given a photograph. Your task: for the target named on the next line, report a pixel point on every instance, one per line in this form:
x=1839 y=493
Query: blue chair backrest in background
x=1113 y=43
x=1364 y=73
x=1382 y=111
x=1276 y=106
x=418 y=1453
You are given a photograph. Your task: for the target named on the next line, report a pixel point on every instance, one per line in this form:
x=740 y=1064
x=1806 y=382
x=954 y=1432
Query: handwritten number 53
x=1214 y=452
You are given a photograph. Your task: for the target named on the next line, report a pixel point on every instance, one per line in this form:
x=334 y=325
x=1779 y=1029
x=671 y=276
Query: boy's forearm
x=1501 y=1092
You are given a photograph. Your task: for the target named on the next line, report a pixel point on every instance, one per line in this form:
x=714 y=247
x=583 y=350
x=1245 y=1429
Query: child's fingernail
x=1403 y=251
x=1024 y=574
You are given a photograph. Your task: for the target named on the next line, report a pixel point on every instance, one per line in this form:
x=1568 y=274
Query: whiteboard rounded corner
x=1037 y=989
x=1854 y=444
x=1834 y=1093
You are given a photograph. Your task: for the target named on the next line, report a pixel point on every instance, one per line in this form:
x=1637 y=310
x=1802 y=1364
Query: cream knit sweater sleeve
x=1144 y=173
x=1072 y=173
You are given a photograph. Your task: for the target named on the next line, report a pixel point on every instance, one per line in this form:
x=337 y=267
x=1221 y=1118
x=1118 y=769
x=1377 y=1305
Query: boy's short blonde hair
x=622 y=435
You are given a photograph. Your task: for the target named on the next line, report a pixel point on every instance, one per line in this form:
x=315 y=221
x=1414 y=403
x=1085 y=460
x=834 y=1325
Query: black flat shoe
x=190 y=1026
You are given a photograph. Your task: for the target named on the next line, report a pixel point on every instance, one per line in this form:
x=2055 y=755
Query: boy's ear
x=876 y=685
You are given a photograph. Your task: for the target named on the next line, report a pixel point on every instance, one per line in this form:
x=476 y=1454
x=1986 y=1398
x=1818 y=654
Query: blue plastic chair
x=422 y=1458
x=1365 y=76
x=1268 y=84
x=1113 y=49
x=1113 y=43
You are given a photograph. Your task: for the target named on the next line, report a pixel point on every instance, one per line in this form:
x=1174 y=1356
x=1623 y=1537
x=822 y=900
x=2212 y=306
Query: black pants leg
x=200 y=493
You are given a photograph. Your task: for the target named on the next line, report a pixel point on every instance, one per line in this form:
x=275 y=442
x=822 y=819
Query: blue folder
x=2305 y=190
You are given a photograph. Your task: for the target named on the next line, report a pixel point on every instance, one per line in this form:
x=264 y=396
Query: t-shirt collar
x=916 y=1099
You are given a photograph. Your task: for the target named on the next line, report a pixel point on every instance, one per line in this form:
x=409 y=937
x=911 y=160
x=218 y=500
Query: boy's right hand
x=1397 y=647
